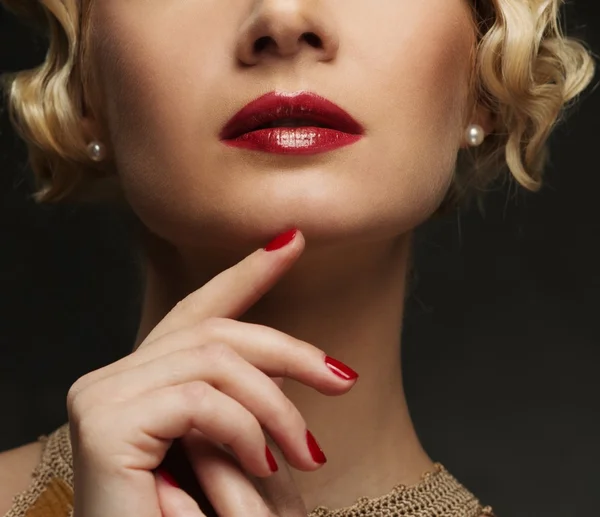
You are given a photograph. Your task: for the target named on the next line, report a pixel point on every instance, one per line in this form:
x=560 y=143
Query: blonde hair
x=525 y=71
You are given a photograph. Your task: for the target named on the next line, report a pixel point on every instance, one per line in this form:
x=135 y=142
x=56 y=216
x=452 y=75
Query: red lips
x=302 y=123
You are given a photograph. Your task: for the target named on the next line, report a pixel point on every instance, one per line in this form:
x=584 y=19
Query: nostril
x=313 y=40
x=262 y=43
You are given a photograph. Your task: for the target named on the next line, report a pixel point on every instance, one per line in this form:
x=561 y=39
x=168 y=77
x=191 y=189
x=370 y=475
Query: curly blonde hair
x=525 y=71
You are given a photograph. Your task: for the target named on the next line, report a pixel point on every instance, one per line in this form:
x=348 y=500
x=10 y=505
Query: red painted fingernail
x=167 y=477
x=315 y=451
x=271 y=460
x=340 y=369
x=281 y=240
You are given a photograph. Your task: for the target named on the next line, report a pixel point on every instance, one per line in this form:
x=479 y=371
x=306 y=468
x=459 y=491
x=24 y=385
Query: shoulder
x=16 y=469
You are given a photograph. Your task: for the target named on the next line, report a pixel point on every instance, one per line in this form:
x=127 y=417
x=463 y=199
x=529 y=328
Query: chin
x=328 y=202
x=255 y=225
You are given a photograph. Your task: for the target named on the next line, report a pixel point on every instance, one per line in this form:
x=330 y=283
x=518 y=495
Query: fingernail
x=271 y=460
x=281 y=240
x=340 y=369
x=315 y=451
x=167 y=477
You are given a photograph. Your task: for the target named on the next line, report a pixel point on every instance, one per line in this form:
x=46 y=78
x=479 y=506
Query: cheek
x=423 y=75
x=425 y=57
x=153 y=80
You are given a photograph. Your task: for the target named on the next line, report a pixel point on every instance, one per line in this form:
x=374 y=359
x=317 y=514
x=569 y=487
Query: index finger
x=233 y=291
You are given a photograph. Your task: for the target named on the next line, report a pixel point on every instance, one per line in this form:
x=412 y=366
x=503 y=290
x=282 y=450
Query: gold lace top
x=437 y=494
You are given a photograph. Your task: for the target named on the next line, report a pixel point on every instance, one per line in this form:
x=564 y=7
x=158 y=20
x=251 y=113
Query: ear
x=482 y=117
x=104 y=183
x=485 y=118
x=91 y=129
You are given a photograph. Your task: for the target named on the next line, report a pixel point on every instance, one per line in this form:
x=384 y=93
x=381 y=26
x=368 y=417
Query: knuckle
x=189 y=304
x=79 y=392
x=83 y=383
x=194 y=393
x=216 y=352
x=74 y=397
x=284 y=414
x=213 y=326
x=247 y=427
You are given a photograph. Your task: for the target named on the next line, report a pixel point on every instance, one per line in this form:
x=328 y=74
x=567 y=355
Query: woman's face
x=173 y=72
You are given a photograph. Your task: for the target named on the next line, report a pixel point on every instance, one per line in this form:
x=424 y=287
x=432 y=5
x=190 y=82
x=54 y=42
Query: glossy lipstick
x=283 y=123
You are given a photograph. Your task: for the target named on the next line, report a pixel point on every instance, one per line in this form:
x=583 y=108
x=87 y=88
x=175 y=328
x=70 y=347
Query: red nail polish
x=340 y=369
x=281 y=240
x=315 y=451
x=167 y=477
x=271 y=460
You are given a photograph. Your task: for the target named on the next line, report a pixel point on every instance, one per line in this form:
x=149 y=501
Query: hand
x=199 y=374
x=230 y=490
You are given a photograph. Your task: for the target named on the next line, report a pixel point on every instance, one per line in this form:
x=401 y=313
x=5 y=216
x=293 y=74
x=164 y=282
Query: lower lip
x=289 y=140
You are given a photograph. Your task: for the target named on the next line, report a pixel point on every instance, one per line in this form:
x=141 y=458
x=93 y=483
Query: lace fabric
x=437 y=494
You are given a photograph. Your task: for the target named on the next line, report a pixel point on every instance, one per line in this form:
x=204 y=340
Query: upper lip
x=280 y=105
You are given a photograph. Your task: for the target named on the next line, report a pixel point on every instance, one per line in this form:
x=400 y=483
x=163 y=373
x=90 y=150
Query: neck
x=347 y=300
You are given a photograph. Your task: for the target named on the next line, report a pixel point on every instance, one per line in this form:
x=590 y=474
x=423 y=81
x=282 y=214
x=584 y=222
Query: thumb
x=278 y=381
x=173 y=500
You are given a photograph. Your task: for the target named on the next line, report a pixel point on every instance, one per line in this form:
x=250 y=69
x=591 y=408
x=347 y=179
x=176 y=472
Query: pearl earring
x=475 y=135
x=96 y=151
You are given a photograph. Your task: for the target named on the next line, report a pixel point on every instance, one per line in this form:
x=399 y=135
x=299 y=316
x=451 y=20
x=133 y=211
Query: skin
x=173 y=73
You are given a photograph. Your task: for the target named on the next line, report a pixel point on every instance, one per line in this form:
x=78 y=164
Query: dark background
x=501 y=340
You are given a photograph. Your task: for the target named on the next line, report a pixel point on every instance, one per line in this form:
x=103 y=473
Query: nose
x=284 y=29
